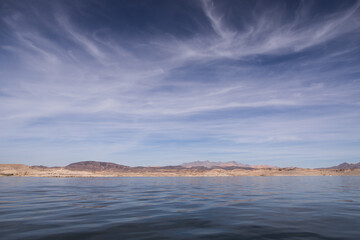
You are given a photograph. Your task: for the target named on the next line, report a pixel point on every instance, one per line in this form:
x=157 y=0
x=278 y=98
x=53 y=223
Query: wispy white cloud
x=216 y=88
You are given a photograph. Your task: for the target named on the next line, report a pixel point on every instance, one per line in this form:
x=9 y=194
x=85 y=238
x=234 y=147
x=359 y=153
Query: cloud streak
x=256 y=90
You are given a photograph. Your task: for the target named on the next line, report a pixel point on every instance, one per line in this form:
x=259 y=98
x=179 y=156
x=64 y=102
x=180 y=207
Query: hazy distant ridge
x=209 y=164
x=346 y=165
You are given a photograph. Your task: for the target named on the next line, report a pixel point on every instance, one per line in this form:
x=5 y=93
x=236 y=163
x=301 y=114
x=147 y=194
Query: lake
x=180 y=208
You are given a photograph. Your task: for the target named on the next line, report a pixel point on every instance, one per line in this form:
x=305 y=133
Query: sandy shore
x=23 y=170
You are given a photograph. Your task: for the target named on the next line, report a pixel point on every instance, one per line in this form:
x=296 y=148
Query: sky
x=154 y=83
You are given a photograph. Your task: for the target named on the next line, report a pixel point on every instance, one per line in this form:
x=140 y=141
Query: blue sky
x=165 y=82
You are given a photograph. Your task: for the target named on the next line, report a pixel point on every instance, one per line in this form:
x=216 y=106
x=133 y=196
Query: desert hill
x=346 y=165
x=96 y=166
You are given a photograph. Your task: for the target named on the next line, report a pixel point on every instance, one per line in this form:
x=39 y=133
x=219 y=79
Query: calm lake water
x=180 y=208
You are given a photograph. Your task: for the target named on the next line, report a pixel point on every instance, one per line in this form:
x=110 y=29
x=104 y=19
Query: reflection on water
x=180 y=208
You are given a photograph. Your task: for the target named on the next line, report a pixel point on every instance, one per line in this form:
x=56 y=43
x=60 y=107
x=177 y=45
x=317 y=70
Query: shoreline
x=182 y=176
x=26 y=171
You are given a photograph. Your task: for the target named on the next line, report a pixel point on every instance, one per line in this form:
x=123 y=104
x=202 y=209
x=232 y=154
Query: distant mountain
x=225 y=165
x=208 y=164
x=346 y=165
x=96 y=166
x=263 y=166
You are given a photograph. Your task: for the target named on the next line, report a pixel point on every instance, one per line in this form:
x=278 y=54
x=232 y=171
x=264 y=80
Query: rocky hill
x=346 y=165
x=96 y=166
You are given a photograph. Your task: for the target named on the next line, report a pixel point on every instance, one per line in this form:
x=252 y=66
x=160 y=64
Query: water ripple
x=180 y=208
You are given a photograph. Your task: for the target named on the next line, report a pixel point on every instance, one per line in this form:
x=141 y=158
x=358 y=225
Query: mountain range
x=108 y=166
x=197 y=168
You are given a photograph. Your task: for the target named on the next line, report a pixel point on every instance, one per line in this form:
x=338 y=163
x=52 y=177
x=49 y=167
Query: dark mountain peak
x=96 y=166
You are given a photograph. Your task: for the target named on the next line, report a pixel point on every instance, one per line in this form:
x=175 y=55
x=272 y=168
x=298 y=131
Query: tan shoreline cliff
x=102 y=169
